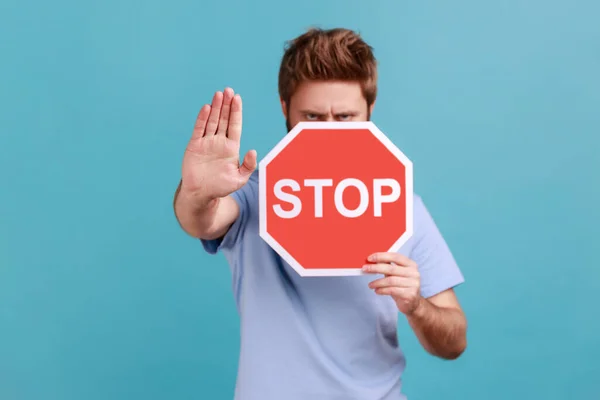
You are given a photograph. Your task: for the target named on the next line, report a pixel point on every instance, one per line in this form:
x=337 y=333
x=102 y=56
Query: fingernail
x=365 y=267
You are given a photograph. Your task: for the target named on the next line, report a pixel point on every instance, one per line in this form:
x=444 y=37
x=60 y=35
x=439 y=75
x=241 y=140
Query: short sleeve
x=437 y=266
x=243 y=198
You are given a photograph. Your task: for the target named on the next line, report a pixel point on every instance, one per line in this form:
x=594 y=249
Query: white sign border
x=262 y=194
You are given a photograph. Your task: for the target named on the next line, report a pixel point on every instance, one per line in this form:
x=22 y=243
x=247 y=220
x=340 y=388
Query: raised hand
x=211 y=164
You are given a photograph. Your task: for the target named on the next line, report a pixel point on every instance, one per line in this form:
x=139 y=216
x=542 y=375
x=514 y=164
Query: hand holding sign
x=211 y=167
x=331 y=193
x=401 y=280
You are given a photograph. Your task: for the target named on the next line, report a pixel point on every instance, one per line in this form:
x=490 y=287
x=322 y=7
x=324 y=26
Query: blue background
x=102 y=296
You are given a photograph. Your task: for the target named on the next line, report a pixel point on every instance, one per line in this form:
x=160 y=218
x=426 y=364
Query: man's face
x=326 y=101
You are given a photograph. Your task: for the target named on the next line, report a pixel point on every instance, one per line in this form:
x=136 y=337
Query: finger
x=234 y=130
x=390 y=257
x=390 y=269
x=393 y=291
x=224 y=119
x=394 y=281
x=215 y=112
x=201 y=121
x=249 y=165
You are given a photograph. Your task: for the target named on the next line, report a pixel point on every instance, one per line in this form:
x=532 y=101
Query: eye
x=344 y=117
x=312 y=117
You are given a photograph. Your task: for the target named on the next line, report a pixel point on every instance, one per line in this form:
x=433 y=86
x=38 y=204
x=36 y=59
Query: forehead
x=328 y=95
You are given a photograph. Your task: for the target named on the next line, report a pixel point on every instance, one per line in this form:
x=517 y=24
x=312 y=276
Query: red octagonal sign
x=331 y=193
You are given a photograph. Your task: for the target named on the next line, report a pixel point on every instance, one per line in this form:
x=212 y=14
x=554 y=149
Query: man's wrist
x=420 y=309
x=196 y=203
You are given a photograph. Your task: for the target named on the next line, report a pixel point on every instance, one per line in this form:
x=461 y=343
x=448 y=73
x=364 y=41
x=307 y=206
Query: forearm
x=441 y=331
x=196 y=216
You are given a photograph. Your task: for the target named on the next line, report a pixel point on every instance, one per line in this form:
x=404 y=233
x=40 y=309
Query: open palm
x=211 y=164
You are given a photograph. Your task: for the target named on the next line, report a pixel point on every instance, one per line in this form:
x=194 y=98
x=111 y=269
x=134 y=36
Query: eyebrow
x=311 y=112
x=321 y=113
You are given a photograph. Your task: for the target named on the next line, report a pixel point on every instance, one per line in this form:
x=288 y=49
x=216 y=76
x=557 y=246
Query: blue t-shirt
x=329 y=338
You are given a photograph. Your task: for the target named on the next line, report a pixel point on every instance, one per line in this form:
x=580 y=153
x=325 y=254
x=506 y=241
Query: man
x=327 y=337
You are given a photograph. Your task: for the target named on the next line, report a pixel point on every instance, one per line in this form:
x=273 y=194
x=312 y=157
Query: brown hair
x=334 y=54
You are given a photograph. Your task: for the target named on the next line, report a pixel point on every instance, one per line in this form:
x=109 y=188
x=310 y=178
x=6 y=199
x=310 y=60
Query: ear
x=283 y=108
x=371 y=107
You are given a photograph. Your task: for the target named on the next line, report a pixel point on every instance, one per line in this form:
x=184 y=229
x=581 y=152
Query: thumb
x=248 y=165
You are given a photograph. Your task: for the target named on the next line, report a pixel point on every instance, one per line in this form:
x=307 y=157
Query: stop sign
x=332 y=193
